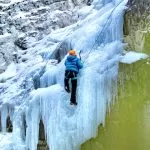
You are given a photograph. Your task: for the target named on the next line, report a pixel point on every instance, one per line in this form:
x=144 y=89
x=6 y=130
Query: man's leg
x=66 y=81
x=73 y=92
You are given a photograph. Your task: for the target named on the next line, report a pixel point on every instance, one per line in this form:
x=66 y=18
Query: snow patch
x=7 y=141
x=132 y=57
x=9 y=73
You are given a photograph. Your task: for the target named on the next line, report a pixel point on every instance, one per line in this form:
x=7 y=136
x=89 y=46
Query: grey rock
x=21 y=43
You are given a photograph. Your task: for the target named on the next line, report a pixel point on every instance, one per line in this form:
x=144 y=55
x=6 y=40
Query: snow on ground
x=9 y=2
x=9 y=73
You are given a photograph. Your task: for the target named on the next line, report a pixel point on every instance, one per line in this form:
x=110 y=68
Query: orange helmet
x=72 y=52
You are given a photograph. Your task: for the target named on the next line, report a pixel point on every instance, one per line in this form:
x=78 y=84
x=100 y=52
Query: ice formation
x=35 y=92
x=131 y=57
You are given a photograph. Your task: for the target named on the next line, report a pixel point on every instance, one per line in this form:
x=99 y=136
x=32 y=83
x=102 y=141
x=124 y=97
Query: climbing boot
x=75 y=103
x=67 y=90
x=71 y=103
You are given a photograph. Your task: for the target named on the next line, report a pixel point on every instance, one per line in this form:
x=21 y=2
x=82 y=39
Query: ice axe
x=80 y=54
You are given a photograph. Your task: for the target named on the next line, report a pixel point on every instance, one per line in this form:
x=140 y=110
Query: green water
x=127 y=126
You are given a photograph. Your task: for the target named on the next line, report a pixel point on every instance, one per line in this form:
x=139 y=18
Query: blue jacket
x=73 y=63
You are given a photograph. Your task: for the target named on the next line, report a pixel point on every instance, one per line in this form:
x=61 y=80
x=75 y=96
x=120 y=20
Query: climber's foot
x=67 y=90
x=73 y=103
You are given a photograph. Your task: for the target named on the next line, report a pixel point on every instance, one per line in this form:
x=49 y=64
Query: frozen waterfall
x=37 y=92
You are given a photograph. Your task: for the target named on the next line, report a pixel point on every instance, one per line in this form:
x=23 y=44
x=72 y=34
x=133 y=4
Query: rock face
x=7 y=49
x=137 y=25
x=33 y=19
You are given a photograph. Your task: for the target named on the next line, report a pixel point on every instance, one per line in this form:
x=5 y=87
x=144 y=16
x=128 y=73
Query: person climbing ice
x=73 y=64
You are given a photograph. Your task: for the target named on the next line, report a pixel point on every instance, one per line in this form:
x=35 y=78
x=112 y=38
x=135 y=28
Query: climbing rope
x=105 y=25
x=101 y=32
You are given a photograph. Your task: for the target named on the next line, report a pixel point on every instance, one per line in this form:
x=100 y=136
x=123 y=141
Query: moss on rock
x=137 y=26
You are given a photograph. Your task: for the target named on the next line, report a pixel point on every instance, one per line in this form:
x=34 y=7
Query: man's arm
x=79 y=64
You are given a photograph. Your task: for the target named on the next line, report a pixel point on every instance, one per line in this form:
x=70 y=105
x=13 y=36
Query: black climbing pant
x=73 y=76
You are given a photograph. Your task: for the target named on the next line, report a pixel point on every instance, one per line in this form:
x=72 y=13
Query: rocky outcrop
x=7 y=49
x=21 y=43
x=30 y=19
x=137 y=25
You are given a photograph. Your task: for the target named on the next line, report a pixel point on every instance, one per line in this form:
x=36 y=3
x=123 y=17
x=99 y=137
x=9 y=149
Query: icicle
x=4 y=113
x=49 y=77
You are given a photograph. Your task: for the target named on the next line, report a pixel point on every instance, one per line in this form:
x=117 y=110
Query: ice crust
x=36 y=91
x=131 y=57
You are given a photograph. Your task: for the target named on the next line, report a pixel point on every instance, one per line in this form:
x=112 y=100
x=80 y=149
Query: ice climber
x=73 y=64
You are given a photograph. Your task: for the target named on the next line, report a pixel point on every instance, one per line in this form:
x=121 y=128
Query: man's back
x=73 y=63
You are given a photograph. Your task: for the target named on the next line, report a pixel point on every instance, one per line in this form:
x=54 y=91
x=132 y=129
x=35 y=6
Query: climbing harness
x=74 y=75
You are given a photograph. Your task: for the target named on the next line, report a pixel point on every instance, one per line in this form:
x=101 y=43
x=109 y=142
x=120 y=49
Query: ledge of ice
x=132 y=57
